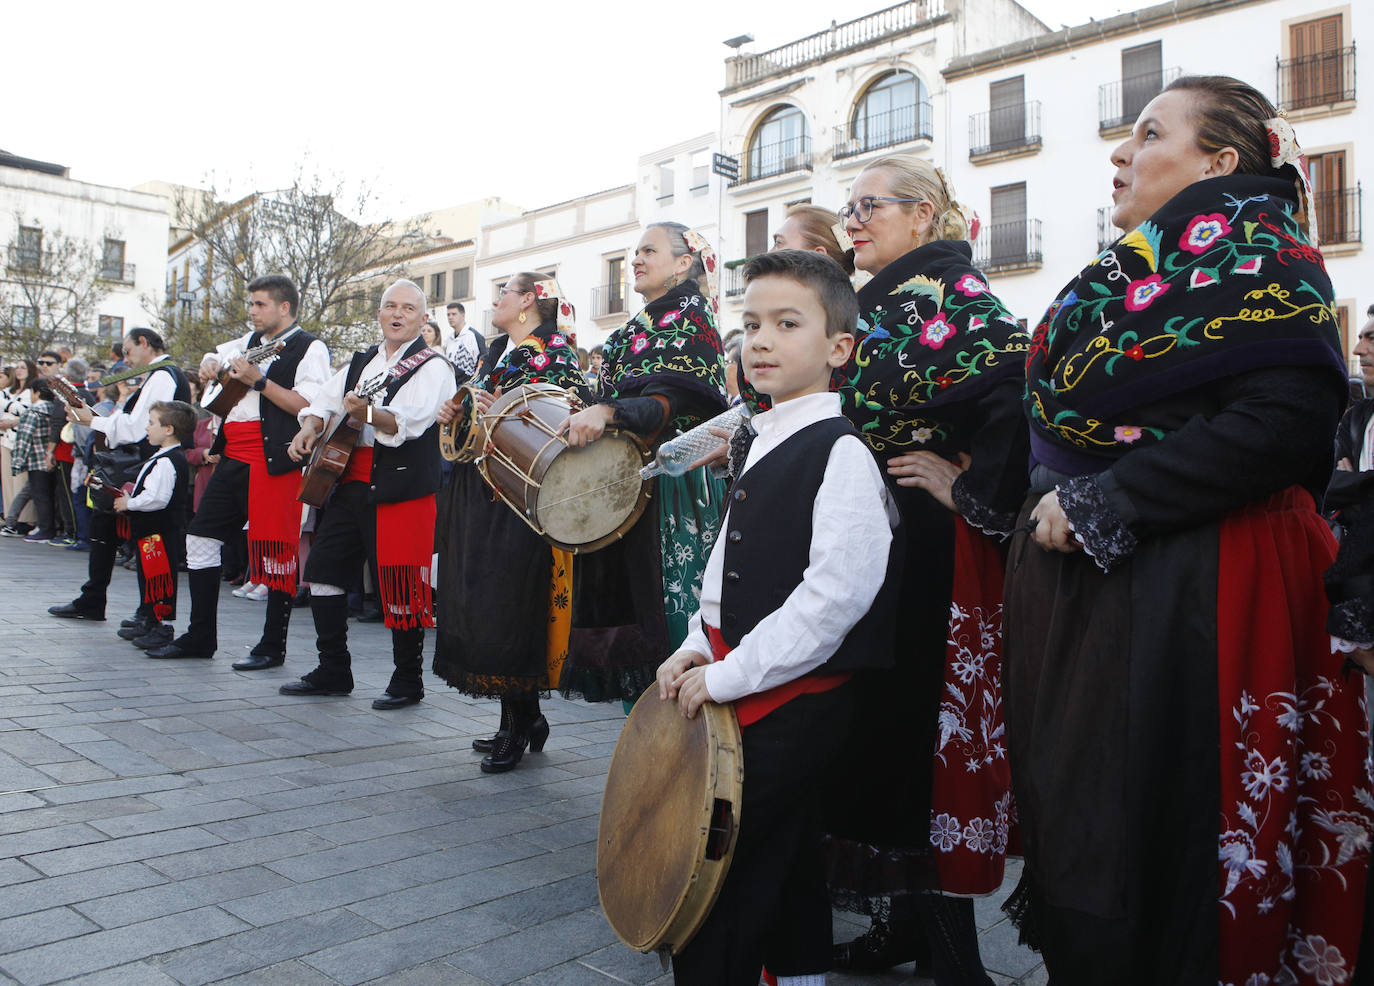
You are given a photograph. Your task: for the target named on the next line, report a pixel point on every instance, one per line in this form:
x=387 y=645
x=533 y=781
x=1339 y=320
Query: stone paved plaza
x=178 y=822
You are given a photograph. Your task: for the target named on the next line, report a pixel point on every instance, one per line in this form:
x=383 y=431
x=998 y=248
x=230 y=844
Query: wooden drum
x=669 y=819
x=577 y=499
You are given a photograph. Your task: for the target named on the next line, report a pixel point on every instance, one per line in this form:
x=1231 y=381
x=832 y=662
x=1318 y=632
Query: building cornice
x=496 y=258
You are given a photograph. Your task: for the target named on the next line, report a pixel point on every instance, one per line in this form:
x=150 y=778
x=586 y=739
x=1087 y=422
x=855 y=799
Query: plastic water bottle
x=678 y=453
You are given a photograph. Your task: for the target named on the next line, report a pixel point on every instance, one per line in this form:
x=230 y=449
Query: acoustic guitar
x=226 y=391
x=330 y=457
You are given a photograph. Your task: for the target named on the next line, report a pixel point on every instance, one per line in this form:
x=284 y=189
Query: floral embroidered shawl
x=931 y=334
x=1221 y=280
x=546 y=355
x=673 y=340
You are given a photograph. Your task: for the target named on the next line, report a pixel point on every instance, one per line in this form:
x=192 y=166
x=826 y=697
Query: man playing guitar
x=127 y=429
x=383 y=508
x=256 y=480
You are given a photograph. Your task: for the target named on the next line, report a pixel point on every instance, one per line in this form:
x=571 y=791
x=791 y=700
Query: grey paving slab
x=107 y=853
x=170 y=898
x=397 y=949
x=36 y=895
x=42 y=927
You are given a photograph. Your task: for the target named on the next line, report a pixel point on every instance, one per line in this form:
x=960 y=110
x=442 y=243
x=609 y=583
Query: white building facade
x=125 y=230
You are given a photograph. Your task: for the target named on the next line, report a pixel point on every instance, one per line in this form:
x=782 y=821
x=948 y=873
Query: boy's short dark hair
x=279 y=288
x=819 y=273
x=458 y=305
x=180 y=417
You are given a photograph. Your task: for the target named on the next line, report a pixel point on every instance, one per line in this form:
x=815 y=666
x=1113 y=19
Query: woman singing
x=1188 y=758
x=499 y=629
x=662 y=371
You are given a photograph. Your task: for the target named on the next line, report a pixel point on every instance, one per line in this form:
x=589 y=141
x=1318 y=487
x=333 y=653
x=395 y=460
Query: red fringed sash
x=405 y=544
x=751 y=708
x=1294 y=812
x=159 y=581
x=274 y=513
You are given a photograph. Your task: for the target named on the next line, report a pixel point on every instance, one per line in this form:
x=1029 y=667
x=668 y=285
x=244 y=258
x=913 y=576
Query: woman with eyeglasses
x=934 y=386
x=662 y=371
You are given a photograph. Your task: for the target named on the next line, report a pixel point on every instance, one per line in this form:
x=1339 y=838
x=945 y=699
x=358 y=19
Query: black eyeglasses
x=46 y=362
x=863 y=209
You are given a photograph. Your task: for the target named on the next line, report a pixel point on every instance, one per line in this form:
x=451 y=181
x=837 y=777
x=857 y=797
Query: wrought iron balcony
x=862 y=32
x=1120 y=102
x=608 y=299
x=1316 y=80
x=732 y=281
x=1338 y=215
x=878 y=130
x=1004 y=129
x=779 y=158
x=1107 y=232
x=123 y=273
x=1008 y=246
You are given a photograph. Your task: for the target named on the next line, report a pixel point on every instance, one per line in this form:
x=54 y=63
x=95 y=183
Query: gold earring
x=523 y=319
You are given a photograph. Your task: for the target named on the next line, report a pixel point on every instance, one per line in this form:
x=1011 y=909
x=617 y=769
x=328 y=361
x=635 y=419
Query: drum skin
x=577 y=499
x=659 y=867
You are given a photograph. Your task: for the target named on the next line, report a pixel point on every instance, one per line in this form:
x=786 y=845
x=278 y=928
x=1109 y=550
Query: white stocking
x=202 y=552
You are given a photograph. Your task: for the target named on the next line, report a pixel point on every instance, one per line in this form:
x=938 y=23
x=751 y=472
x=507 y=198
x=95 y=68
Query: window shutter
x=1007 y=120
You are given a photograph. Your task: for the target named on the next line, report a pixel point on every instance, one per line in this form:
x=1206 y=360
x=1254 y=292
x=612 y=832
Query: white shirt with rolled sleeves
x=415 y=406
x=121 y=428
x=159 y=479
x=311 y=373
x=851 y=533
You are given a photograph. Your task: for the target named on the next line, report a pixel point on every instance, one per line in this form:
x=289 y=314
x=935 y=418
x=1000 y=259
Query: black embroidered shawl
x=1220 y=281
x=544 y=356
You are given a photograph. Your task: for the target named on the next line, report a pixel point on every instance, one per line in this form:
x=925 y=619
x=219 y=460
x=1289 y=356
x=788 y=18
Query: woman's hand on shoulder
x=1052 y=530
x=931 y=472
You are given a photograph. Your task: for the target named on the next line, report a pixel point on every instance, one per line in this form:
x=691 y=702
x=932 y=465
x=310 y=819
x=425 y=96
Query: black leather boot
x=270 y=651
x=522 y=715
x=894 y=937
x=201 y=636
x=334 y=676
x=539 y=729
x=407 y=684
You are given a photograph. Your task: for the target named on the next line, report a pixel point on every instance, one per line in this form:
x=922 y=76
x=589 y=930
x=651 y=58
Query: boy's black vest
x=413 y=470
x=182 y=392
x=768 y=546
x=170 y=521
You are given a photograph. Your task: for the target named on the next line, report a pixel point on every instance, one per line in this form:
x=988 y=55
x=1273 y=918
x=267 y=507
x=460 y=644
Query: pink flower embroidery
x=1127 y=433
x=639 y=343
x=935 y=332
x=669 y=318
x=1203 y=231
x=1141 y=293
x=539 y=362
x=557 y=340
x=970 y=286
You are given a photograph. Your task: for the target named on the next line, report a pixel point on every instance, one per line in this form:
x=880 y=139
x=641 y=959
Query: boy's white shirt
x=160 y=482
x=851 y=534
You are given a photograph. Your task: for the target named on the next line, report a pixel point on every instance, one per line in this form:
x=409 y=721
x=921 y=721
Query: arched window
x=781 y=143
x=895 y=109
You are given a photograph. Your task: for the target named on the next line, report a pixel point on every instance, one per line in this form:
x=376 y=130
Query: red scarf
x=274 y=513
x=159 y=581
x=405 y=544
x=751 y=708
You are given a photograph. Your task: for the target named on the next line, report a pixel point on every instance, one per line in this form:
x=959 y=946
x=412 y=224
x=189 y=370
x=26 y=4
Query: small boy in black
x=156 y=509
x=797 y=597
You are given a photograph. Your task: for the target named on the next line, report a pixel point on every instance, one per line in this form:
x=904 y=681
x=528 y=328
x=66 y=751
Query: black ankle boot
x=953 y=936
x=270 y=651
x=539 y=726
x=895 y=937
x=510 y=742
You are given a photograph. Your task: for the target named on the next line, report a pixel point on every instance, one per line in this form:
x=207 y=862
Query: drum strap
x=751 y=708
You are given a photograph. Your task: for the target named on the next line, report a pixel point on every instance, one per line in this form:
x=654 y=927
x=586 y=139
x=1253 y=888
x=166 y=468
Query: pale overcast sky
x=435 y=102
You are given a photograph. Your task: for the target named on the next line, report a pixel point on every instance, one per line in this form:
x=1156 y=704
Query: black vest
x=278 y=426
x=768 y=546
x=182 y=392
x=416 y=468
x=170 y=521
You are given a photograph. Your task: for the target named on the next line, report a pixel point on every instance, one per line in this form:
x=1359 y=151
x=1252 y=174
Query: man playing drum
x=383 y=507
x=809 y=522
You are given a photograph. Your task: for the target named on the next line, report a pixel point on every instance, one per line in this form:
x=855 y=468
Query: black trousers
x=773 y=909
x=100 y=562
x=63 y=497
x=223 y=508
x=41 y=491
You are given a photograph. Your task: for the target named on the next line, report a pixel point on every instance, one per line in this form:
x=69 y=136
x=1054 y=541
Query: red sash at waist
x=243 y=442
x=359 y=468
x=751 y=708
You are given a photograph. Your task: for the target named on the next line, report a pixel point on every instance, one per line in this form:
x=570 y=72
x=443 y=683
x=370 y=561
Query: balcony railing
x=732 y=283
x=22 y=259
x=1004 y=129
x=608 y=299
x=769 y=160
x=877 y=130
x=1316 y=80
x=1120 y=102
x=1338 y=215
x=123 y=273
x=1008 y=246
x=1107 y=232
x=862 y=32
